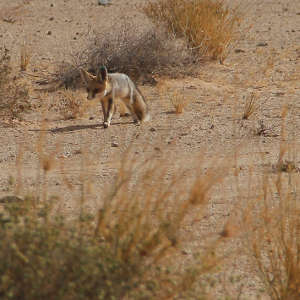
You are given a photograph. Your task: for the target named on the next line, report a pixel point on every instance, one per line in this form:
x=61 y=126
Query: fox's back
x=122 y=85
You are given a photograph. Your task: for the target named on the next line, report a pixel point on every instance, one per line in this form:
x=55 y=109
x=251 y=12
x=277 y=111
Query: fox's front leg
x=108 y=108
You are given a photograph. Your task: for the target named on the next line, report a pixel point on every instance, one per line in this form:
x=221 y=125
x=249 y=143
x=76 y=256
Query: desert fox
x=115 y=86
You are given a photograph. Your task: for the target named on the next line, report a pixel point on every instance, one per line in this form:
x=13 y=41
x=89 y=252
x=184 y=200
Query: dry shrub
x=14 y=91
x=250 y=106
x=70 y=104
x=139 y=53
x=208 y=26
x=179 y=101
x=273 y=228
x=275 y=237
x=177 y=97
x=124 y=252
x=25 y=57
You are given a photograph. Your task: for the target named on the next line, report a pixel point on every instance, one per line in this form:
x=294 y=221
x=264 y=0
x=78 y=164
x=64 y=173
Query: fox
x=113 y=87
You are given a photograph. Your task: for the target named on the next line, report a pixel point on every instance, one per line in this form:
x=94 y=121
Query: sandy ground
x=265 y=60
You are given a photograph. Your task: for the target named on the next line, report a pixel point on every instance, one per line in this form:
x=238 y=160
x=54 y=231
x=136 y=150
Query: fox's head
x=95 y=85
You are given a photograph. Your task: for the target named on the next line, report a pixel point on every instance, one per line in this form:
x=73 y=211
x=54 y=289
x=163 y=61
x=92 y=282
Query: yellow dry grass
x=209 y=27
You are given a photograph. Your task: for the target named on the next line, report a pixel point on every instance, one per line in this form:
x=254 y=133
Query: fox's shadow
x=80 y=127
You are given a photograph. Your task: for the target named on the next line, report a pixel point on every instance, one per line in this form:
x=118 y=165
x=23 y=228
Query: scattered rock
x=262 y=44
x=114 y=144
x=152 y=129
x=239 y=51
x=10 y=199
x=49 y=32
x=104 y=2
x=51 y=18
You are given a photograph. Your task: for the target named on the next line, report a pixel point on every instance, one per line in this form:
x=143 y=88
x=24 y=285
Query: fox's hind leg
x=129 y=106
x=123 y=109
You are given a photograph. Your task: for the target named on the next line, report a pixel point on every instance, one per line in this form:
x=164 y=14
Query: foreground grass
x=122 y=251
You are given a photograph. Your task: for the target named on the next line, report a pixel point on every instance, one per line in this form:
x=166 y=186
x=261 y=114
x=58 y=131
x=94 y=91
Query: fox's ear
x=102 y=74
x=86 y=76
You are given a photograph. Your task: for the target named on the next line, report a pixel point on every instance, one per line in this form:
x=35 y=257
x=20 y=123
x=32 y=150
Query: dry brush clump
x=127 y=49
x=14 y=90
x=177 y=97
x=208 y=26
x=272 y=226
x=125 y=251
x=275 y=236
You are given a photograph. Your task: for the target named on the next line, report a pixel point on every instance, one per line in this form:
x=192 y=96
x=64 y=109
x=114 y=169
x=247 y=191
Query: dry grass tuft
x=131 y=242
x=177 y=97
x=25 y=57
x=209 y=27
x=127 y=49
x=70 y=104
x=14 y=90
x=179 y=101
x=272 y=223
x=275 y=237
x=250 y=106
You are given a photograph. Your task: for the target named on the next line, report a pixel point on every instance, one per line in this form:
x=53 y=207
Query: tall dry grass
x=125 y=250
x=272 y=223
x=208 y=26
x=14 y=90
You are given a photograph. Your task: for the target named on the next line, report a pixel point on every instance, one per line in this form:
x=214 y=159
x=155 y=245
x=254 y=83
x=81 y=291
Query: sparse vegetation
x=179 y=101
x=25 y=57
x=250 y=106
x=14 y=91
x=141 y=55
x=209 y=27
x=177 y=97
x=274 y=235
x=272 y=223
x=70 y=105
x=123 y=251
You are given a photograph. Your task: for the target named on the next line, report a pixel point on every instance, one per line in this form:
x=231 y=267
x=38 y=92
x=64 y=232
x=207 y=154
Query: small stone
x=51 y=4
x=104 y=2
x=152 y=129
x=49 y=32
x=239 y=51
x=114 y=144
x=262 y=44
x=51 y=18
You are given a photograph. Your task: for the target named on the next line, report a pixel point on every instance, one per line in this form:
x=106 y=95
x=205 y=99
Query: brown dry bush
x=124 y=252
x=127 y=49
x=25 y=57
x=208 y=26
x=275 y=237
x=273 y=228
x=14 y=91
x=250 y=106
x=177 y=97
x=70 y=104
